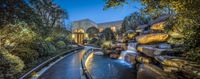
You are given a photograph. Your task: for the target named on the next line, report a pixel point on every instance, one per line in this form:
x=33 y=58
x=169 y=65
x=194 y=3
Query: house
x=80 y=27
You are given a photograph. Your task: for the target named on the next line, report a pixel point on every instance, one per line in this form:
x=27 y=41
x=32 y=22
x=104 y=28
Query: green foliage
x=29 y=31
x=12 y=35
x=113 y=3
x=51 y=15
x=15 y=10
x=60 y=44
x=44 y=48
x=132 y=21
x=49 y=39
x=193 y=55
x=28 y=55
x=10 y=65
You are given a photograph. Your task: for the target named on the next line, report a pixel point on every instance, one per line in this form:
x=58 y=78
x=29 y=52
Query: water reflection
x=101 y=67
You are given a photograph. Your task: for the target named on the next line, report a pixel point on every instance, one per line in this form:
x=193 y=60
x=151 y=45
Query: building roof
x=110 y=23
x=85 y=20
x=104 y=25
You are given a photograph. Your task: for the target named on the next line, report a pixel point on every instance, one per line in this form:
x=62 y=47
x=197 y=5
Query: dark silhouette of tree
x=107 y=34
x=51 y=15
x=92 y=32
x=132 y=21
x=12 y=11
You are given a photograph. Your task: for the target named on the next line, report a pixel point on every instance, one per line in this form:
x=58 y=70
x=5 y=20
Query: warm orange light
x=81 y=31
x=100 y=29
x=88 y=61
x=73 y=36
x=113 y=28
x=86 y=36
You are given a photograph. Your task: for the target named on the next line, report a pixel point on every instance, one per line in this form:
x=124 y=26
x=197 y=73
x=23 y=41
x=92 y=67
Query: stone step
x=152 y=38
x=171 y=61
x=182 y=68
x=134 y=58
x=150 y=71
x=131 y=58
x=158 y=26
x=151 y=51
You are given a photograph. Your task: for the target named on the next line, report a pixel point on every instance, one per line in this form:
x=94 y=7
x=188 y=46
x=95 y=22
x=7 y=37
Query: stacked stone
x=155 y=58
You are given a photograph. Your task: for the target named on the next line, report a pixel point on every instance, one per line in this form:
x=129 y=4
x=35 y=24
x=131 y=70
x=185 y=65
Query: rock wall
x=158 y=59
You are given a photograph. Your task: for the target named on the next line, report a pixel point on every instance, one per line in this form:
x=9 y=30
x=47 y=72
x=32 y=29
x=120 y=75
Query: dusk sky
x=93 y=9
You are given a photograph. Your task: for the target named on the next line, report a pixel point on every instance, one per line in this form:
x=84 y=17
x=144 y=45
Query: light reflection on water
x=101 y=67
x=88 y=61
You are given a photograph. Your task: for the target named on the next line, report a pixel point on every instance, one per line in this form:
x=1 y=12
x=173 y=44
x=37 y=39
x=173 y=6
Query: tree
x=92 y=32
x=107 y=34
x=29 y=32
x=13 y=11
x=51 y=15
x=132 y=21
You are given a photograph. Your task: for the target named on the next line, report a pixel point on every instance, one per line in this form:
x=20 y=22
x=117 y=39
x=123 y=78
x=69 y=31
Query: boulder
x=188 y=69
x=152 y=51
x=171 y=61
x=164 y=46
x=159 y=19
x=192 y=71
x=143 y=59
x=145 y=32
x=130 y=34
x=144 y=27
x=152 y=38
x=150 y=71
x=158 y=26
x=131 y=58
x=170 y=69
x=132 y=46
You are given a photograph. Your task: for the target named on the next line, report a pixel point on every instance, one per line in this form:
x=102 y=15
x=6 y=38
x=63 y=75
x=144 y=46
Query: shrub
x=49 y=39
x=60 y=44
x=44 y=48
x=12 y=35
x=26 y=54
x=10 y=65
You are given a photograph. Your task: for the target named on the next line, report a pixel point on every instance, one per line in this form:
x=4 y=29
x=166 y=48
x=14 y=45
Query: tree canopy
x=132 y=21
x=30 y=32
x=92 y=31
x=107 y=34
